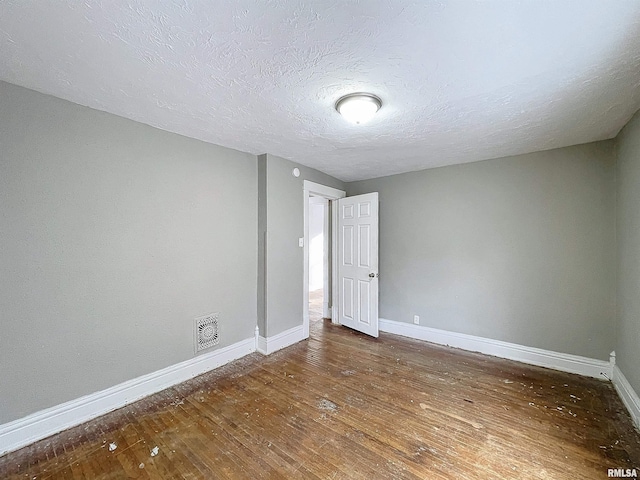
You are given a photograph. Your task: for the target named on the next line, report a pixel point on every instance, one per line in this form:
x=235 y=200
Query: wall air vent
x=206 y=331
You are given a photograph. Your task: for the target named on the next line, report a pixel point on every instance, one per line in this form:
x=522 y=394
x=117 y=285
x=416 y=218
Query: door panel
x=347 y=245
x=358 y=262
x=364 y=241
x=347 y=298
x=364 y=293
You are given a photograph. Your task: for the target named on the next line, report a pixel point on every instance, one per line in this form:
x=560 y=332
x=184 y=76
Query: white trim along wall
x=534 y=356
x=39 y=425
x=563 y=362
x=628 y=395
x=42 y=424
x=268 y=345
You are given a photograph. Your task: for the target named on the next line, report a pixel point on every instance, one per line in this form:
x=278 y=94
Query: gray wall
x=114 y=236
x=519 y=249
x=283 y=226
x=628 y=236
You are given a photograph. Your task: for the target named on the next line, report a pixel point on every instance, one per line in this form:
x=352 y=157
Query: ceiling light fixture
x=358 y=107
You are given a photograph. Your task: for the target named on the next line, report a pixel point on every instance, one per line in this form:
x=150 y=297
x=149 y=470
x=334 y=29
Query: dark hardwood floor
x=343 y=405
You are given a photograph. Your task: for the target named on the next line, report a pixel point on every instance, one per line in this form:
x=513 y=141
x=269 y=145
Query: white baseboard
x=564 y=362
x=268 y=345
x=39 y=425
x=627 y=394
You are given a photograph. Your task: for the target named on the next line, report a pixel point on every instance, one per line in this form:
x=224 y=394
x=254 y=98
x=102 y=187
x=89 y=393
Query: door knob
x=373 y=275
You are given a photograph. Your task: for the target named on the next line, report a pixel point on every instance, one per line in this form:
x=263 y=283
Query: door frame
x=332 y=195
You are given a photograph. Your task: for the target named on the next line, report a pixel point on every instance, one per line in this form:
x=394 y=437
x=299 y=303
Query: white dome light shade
x=358 y=107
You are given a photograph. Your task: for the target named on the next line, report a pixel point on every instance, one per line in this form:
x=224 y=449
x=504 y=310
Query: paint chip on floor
x=154 y=451
x=325 y=404
x=112 y=447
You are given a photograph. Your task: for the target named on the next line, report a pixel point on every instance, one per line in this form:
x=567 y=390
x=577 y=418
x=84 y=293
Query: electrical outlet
x=416 y=319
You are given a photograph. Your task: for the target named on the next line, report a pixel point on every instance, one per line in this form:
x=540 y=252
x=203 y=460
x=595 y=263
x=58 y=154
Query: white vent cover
x=206 y=331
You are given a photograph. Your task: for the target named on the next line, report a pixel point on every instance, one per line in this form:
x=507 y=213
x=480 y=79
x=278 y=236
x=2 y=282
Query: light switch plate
x=301 y=242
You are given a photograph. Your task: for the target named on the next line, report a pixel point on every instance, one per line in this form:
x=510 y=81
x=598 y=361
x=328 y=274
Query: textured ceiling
x=460 y=80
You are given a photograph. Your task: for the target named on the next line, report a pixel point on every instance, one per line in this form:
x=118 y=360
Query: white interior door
x=358 y=262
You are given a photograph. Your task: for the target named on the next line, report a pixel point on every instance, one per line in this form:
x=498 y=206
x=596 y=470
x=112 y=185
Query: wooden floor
x=315 y=305
x=343 y=405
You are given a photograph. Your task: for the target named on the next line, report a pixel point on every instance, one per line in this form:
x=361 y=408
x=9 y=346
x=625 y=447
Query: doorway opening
x=320 y=240
x=318 y=259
